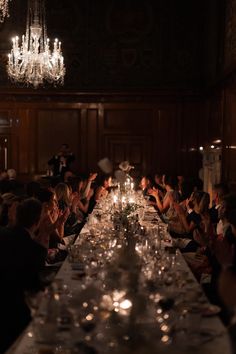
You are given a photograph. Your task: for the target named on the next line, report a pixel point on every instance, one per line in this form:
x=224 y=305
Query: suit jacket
x=21 y=260
x=55 y=162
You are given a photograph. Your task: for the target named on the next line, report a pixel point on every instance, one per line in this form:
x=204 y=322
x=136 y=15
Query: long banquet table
x=132 y=294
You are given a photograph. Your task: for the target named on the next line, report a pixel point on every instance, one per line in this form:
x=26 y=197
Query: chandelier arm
x=4 y=9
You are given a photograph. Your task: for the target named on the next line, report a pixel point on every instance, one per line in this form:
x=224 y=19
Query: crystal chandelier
x=33 y=63
x=4 y=9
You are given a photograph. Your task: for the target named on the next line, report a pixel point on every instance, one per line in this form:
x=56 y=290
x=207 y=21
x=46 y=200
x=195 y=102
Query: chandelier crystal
x=33 y=62
x=4 y=9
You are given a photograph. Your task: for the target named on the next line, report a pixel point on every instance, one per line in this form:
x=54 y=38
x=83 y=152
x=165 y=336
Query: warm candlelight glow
x=33 y=62
x=126 y=304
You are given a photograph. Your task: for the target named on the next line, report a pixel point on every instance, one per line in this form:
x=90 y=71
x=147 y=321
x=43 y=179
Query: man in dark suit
x=219 y=191
x=21 y=259
x=60 y=163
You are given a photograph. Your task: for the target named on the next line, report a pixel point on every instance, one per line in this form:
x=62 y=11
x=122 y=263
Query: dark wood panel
x=24 y=142
x=229 y=138
x=134 y=148
x=5 y=119
x=91 y=150
x=118 y=152
x=127 y=120
x=55 y=127
x=166 y=140
x=151 y=135
x=136 y=153
x=193 y=127
x=215 y=118
x=230 y=34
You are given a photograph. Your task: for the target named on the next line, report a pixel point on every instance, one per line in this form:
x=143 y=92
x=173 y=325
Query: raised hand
x=92 y=176
x=90 y=193
x=152 y=191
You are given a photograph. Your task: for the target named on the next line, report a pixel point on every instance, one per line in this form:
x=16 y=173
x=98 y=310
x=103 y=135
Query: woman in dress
x=103 y=189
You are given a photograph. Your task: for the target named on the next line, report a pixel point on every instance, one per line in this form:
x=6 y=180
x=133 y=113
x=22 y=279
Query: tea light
x=125 y=304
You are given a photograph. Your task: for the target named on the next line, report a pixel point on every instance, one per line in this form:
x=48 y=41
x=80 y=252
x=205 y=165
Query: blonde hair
x=62 y=192
x=201 y=200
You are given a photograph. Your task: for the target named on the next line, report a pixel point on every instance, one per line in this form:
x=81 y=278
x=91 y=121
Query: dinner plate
x=77 y=266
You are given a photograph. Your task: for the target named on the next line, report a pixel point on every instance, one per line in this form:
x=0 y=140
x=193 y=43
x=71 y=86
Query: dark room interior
x=117 y=176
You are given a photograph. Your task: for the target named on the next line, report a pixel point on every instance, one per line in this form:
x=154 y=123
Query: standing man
x=60 y=163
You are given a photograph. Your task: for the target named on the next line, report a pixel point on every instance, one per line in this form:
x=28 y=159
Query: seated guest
x=63 y=195
x=8 y=209
x=218 y=192
x=87 y=191
x=87 y=183
x=223 y=247
x=197 y=220
x=203 y=233
x=172 y=195
x=64 y=198
x=50 y=213
x=181 y=180
x=158 y=183
x=145 y=184
x=61 y=162
x=22 y=258
x=14 y=185
x=5 y=200
x=227 y=280
x=219 y=253
x=176 y=226
x=81 y=196
x=199 y=231
x=32 y=189
x=103 y=188
x=50 y=208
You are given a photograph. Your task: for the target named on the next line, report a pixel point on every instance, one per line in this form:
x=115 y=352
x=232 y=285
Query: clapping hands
x=92 y=176
x=153 y=191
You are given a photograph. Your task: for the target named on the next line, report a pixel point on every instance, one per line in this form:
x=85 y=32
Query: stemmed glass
x=33 y=301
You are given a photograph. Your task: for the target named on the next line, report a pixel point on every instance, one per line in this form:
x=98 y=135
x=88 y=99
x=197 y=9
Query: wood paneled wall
x=221 y=124
x=158 y=135
x=229 y=137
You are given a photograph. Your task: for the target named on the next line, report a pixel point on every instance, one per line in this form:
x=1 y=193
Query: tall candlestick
x=5 y=158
